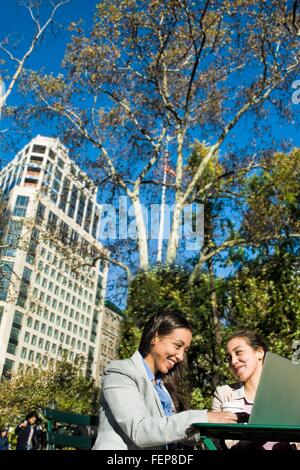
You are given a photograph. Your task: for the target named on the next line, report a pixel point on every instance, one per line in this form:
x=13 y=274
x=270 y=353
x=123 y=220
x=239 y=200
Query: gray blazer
x=131 y=415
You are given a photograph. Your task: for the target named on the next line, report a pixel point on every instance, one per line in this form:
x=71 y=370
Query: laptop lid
x=277 y=399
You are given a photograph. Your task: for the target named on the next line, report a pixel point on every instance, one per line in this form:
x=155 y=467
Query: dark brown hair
x=252 y=338
x=162 y=324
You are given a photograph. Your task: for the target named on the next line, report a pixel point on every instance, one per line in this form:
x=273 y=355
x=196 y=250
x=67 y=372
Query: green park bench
x=70 y=430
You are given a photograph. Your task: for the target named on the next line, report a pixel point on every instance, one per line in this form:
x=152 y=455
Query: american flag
x=169 y=170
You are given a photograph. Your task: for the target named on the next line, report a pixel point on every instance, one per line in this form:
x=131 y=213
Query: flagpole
x=162 y=208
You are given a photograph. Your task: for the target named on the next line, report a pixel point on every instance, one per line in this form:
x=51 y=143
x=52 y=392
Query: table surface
x=249 y=432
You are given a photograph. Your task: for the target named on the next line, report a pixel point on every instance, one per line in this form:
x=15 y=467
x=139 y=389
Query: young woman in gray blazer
x=141 y=402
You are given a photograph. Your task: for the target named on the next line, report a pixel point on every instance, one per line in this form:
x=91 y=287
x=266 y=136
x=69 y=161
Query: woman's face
x=168 y=350
x=244 y=360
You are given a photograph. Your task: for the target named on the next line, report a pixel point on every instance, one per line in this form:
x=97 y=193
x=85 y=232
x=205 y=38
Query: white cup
x=232 y=406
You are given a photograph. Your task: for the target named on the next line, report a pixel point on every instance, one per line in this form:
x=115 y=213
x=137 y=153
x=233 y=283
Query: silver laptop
x=277 y=399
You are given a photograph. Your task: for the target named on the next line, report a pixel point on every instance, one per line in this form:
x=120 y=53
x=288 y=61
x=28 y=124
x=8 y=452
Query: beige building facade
x=54 y=271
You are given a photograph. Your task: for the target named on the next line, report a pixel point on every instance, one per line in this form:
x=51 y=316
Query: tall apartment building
x=53 y=271
x=110 y=334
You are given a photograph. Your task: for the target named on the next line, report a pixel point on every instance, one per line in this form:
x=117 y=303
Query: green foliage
x=167 y=289
x=33 y=389
x=198 y=401
x=263 y=295
x=272 y=197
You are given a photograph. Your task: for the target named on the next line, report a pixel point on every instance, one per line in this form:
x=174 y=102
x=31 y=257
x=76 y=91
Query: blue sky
x=15 y=23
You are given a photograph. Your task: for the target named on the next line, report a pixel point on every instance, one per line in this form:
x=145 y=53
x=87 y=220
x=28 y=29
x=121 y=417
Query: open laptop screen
x=277 y=400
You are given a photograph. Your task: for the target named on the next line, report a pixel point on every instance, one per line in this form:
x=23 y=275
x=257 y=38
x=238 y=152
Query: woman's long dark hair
x=162 y=324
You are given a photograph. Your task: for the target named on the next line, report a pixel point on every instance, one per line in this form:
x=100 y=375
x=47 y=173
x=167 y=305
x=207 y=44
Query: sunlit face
x=244 y=360
x=32 y=420
x=168 y=350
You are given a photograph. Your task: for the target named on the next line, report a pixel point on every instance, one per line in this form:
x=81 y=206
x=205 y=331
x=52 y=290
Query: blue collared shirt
x=164 y=396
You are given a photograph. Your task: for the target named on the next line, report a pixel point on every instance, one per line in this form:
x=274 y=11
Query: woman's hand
x=221 y=417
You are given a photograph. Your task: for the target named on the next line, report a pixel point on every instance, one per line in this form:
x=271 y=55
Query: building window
x=55 y=185
x=12 y=238
x=8 y=366
x=38 y=149
x=52 y=222
x=21 y=206
x=95 y=223
x=23 y=353
x=11 y=348
x=52 y=154
x=30 y=356
x=63 y=232
x=99 y=290
x=24 y=287
x=26 y=337
x=73 y=201
x=64 y=194
x=31 y=254
x=40 y=213
x=6 y=273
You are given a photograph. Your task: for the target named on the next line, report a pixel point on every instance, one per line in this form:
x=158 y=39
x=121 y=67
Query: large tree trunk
x=141 y=233
x=176 y=220
x=174 y=235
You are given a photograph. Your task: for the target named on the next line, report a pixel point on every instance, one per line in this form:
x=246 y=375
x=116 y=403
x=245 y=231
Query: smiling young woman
x=246 y=351
x=142 y=406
